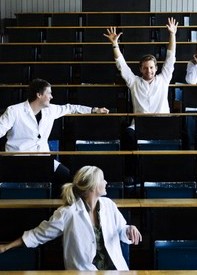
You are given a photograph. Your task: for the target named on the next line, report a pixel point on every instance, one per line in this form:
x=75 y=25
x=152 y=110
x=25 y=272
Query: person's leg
x=195 y=133
x=190 y=133
x=61 y=176
x=129 y=139
x=129 y=143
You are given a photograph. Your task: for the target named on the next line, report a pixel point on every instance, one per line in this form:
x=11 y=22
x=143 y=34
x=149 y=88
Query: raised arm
x=113 y=38
x=4 y=247
x=172 y=28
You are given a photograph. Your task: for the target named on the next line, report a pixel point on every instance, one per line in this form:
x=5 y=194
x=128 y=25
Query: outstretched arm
x=4 y=247
x=172 y=28
x=113 y=38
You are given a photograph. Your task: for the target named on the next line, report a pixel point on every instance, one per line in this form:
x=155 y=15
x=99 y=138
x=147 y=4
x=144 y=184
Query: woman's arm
x=4 y=247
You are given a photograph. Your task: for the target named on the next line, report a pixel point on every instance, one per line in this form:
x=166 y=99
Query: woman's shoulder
x=63 y=213
x=77 y=205
x=106 y=200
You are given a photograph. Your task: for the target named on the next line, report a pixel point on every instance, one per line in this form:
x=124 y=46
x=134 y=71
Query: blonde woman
x=91 y=225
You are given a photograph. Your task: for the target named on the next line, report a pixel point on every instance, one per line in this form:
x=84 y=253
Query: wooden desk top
x=76 y=43
x=121 y=203
x=102 y=85
x=96 y=27
x=167 y=203
x=75 y=272
x=118 y=153
x=32 y=203
x=55 y=203
x=127 y=203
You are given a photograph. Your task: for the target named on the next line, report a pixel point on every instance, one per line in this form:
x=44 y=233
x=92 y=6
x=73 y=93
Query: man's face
x=148 y=70
x=45 y=98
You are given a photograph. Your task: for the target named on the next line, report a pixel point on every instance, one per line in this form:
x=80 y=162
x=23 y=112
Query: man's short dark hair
x=148 y=57
x=37 y=86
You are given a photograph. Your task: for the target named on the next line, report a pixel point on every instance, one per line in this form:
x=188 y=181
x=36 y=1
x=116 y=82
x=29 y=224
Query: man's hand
x=102 y=110
x=172 y=25
x=112 y=35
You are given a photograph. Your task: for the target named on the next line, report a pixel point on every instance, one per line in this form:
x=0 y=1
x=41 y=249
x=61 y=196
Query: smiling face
x=45 y=97
x=148 y=70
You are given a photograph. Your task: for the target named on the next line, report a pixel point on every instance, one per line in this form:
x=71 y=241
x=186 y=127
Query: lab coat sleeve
x=45 y=231
x=7 y=120
x=61 y=110
x=121 y=224
x=191 y=73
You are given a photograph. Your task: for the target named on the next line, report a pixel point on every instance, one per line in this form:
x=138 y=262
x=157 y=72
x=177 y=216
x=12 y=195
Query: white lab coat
x=191 y=74
x=23 y=132
x=79 y=243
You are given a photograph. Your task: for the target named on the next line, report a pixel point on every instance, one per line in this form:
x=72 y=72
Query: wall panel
x=8 y=8
x=173 y=5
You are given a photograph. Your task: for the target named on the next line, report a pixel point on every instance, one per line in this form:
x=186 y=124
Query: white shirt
x=191 y=74
x=153 y=97
x=79 y=243
x=25 y=134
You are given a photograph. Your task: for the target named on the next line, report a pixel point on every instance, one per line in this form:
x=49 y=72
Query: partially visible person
x=149 y=92
x=191 y=73
x=29 y=124
x=91 y=225
x=191 y=121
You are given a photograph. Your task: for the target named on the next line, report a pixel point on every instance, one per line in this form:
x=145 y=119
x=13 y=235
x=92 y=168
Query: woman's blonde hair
x=85 y=180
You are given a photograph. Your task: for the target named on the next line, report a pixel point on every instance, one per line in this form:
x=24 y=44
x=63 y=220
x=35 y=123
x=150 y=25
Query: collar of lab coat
x=80 y=205
x=27 y=107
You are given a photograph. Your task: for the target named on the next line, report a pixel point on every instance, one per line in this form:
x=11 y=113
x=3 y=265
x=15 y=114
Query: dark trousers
x=129 y=143
x=191 y=133
x=60 y=177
